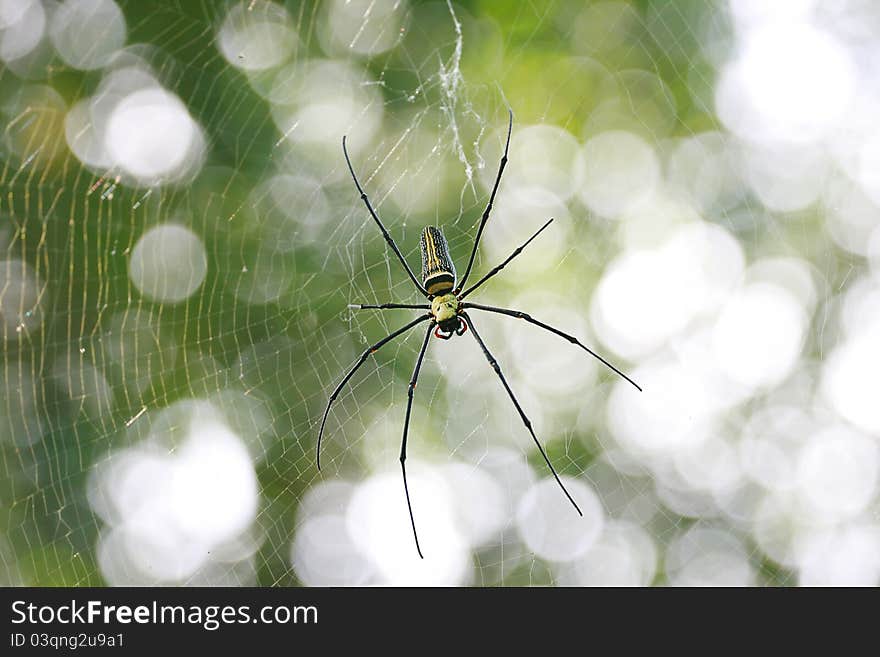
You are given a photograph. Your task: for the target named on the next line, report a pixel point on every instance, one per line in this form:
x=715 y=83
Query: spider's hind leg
x=528 y=423
x=409 y=395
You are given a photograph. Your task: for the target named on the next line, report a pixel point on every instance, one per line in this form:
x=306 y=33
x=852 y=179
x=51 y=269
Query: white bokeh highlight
x=647 y=296
x=616 y=171
x=86 y=33
x=360 y=534
x=135 y=128
x=551 y=527
x=541 y=156
x=624 y=555
x=22 y=27
x=362 y=27
x=316 y=101
x=847 y=380
x=837 y=474
x=704 y=556
x=150 y=134
x=849 y=557
x=379 y=524
x=168 y=263
x=171 y=513
x=256 y=36
x=759 y=335
x=792 y=81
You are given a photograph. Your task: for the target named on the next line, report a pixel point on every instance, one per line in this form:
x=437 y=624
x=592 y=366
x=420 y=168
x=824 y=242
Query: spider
x=447 y=316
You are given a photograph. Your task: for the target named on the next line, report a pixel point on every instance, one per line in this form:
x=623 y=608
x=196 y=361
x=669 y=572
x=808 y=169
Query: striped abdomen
x=438 y=272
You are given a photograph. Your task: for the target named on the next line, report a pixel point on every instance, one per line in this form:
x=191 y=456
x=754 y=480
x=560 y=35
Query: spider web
x=172 y=332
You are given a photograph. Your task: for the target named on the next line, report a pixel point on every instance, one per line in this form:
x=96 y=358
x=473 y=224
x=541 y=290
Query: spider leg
x=385 y=306
x=523 y=416
x=369 y=350
x=488 y=209
x=521 y=315
x=531 y=320
x=503 y=264
x=409 y=394
x=379 y=223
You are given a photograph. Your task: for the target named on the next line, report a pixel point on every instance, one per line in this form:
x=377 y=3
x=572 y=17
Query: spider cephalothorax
x=447 y=316
x=446 y=311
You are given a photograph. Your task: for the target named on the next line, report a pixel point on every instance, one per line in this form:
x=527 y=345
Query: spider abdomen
x=438 y=272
